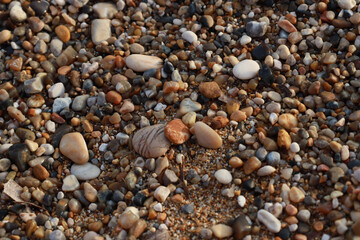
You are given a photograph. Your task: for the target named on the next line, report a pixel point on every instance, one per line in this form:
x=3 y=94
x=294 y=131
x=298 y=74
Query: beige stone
x=206 y=136
x=73 y=146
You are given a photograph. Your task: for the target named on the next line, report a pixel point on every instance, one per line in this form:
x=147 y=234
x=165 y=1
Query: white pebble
x=294 y=147
x=241 y=200
x=223 y=176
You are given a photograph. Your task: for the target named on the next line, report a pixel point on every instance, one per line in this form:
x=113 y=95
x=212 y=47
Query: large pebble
x=150 y=142
x=246 y=69
x=269 y=220
x=5 y=36
x=189 y=36
x=288 y=121
x=142 y=63
x=56 y=90
x=57 y=235
x=222 y=231
x=206 y=136
x=265 y=171
x=17 y=14
x=223 y=176
x=20 y=155
x=256 y=29
x=105 y=10
x=70 y=183
x=161 y=193
x=100 y=30
x=85 y=171
x=347 y=4
x=73 y=146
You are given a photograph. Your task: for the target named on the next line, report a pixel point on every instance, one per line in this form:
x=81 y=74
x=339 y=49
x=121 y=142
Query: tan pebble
x=63 y=33
x=288 y=121
x=296 y=195
x=73 y=146
x=210 y=89
x=251 y=165
x=206 y=136
x=284 y=139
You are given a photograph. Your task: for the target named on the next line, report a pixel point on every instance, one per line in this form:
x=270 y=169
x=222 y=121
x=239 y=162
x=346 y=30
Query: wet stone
x=20 y=155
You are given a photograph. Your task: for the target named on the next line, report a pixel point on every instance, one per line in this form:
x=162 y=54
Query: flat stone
x=269 y=220
x=70 y=183
x=287 y=26
x=187 y=105
x=57 y=235
x=73 y=146
x=85 y=171
x=142 y=63
x=4 y=164
x=206 y=136
x=61 y=103
x=100 y=30
x=150 y=142
x=246 y=69
x=265 y=171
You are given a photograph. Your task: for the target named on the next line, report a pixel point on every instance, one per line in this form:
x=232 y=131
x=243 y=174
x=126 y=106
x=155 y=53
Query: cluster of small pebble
x=179 y=119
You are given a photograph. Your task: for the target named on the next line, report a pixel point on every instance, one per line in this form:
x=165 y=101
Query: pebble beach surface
x=164 y=119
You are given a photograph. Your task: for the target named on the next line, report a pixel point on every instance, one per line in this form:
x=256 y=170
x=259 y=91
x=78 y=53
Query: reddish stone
x=40 y=172
x=210 y=89
x=15 y=63
x=57 y=118
x=219 y=122
x=170 y=87
x=113 y=97
x=176 y=131
x=287 y=26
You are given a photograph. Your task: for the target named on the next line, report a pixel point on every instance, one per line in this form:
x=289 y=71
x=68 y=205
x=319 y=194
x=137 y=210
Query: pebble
x=73 y=146
x=17 y=14
x=294 y=147
x=241 y=227
x=265 y=171
x=288 y=121
x=256 y=29
x=187 y=105
x=70 y=183
x=223 y=176
x=61 y=103
x=100 y=30
x=269 y=220
x=57 y=235
x=221 y=231
x=142 y=63
x=287 y=26
x=161 y=193
x=246 y=69
x=210 y=89
x=85 y=171
x=33 y=85
x=206 y=136
x=189 y=36
x=251 y=165
x=90 y=192
x=4 y=164
x=347 y=4
x=20 y=155
x=56 y=90
x=296 y=195
x=63 y=33
x=79 y=102
x=151 y=142
x=105 y=10
x=176 y=131
x=5 y=35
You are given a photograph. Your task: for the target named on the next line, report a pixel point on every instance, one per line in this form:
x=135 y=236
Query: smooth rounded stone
x=177 y=132
x=4 y=164
x=161 y=193
x=17 y=14
x=296 y=195
x=287 y=26
x=20 y=155
x=205 y=233
x=24 y=134
x=40 y=7
x=206 y=136
x=56 y=90
x=329 y=58
x=57 y=235
x=61 y=103
x=283 y=139
x=63 y=33
x=273 y=158
x=150 y=142
x=105 y=10
x=265 y=171
x=355 y=116
x=33 y=85
x=246 y=69
x=5 y=35
x=100 y=30
x=222 y=231
x=251 y=165
x=90 y=192
x=85 y=171
x=70 y=183
x=56 y=46
x=256 y=29
x=245 y=39
x=356 y=174
x=142 y=63
x=269 y=220
x=294 y=147
x=187 y=105
x=189 y=36
x=241 y=226
x=346 y=4
x=79 y=102
x=91 y=235
x=273 y=107
x=274 y=96
x=73 y=146
x=223 y=176
x=288 y=121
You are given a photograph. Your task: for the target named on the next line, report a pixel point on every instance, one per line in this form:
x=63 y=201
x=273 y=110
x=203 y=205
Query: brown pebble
x=63 y=33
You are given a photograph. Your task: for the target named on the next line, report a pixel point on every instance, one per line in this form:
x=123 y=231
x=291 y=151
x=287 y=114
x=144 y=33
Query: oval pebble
x=223 y=176
x=269 y=220
x=246 y=69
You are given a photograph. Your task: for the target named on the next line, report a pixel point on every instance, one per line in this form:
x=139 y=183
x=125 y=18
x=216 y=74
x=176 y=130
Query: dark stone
x=168 y=67
x=249 y=184
x=149 y=73
x=3 y=213
x=139 y=199
x=79 y=195
x=309 y=201
x=187 y=208
x=87 y=85
x=20 y=155
x=118 y=196
x=209 y=46
x=266 y=75
x=268 y=3
x=9 y=226
x=259 y=202
x=47 y=200
x=40 y=7
x=284 y=234
x=17 y=208
x=260 y=52
x=303 y=227
x=59 y=133
x=192 y=176
x=140 y=80
x=41 y=219
x=241 y=226
x=104 y=195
